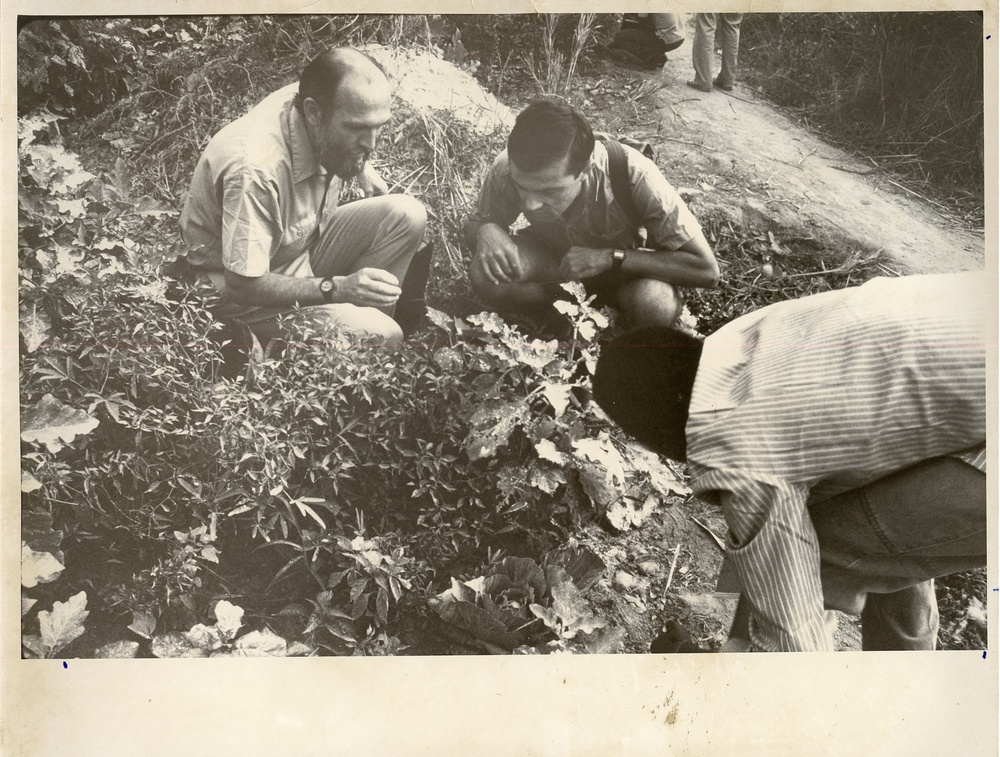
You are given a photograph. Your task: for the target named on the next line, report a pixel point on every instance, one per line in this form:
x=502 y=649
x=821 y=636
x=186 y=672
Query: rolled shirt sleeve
x=250 y=221
x=258 y=194
x=774 y=548
x=668 y=221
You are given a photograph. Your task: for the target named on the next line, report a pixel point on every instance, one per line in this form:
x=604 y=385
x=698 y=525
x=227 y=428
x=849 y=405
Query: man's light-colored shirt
x=595 y=219
x=805 y=399
x=257 y=195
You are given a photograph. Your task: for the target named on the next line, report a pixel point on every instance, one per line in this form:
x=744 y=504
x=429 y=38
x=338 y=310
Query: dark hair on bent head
x=643 y=382
x=545 y=132
x=323 y=75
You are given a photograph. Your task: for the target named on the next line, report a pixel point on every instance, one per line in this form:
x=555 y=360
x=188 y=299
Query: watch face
x=326 y=286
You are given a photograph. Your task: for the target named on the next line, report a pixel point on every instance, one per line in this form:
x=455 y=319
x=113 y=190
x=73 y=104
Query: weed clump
x=905 y=89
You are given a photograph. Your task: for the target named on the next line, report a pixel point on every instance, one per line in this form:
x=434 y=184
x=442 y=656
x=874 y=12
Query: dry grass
x=903 y=89
x=761 y=269
x=555 y=73
x=441 y=161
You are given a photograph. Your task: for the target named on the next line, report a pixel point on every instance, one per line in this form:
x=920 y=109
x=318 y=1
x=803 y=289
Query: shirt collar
x=304 y=161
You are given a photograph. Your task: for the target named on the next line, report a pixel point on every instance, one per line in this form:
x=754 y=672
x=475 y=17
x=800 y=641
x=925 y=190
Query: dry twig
x=710 y=532
x=673 y=564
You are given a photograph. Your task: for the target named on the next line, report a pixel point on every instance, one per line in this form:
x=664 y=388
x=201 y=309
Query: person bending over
x=843 y=435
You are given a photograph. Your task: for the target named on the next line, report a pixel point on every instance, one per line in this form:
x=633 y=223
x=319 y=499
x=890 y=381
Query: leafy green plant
x=58 y=628
x=519 y=605
x=43 y=562
x=364 y=581
x=222 y=639
x=148 y=460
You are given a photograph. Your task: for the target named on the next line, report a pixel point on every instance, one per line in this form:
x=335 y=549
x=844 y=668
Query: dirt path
x=758 y=163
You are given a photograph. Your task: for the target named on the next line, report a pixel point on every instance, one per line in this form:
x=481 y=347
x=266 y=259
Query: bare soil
x=760 y=165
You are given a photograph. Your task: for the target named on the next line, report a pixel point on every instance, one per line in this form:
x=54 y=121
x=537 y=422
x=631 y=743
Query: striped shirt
x=805 y=399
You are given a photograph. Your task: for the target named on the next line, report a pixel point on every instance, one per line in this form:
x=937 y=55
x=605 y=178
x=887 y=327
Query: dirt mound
x=426 y=82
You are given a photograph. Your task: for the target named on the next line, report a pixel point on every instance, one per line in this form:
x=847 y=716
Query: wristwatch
x=326 y=288
x=617 y=258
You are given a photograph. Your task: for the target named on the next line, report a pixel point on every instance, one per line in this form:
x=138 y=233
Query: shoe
x=411 y=308
x=411 y=316
x=719 y=85
x=695 y=85
x=671 y=46
x=674 y=640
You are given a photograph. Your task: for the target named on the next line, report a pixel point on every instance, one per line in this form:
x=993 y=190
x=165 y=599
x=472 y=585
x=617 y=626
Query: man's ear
x=312 y=112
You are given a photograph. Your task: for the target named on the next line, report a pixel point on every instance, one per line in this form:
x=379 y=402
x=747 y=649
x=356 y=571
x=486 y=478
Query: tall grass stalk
x=581 y=41
x=556 y=73
x=550 y=78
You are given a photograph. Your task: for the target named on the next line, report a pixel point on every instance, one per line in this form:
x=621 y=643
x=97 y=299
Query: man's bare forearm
x=680 y=268
x=274 y=290
x=470 y=231
x=693 y=265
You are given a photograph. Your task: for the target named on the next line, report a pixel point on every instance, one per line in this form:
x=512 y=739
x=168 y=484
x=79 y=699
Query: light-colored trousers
x=710 y=29
x=379 y=232
x=668 y=26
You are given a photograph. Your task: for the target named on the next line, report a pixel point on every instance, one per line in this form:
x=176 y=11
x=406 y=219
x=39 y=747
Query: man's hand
x=584 y=262
x=371 y=183
x=369 y=287
x=497 y=254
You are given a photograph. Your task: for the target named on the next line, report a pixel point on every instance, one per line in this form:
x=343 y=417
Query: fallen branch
x=917 y=194
x=846 y=268
x=851 y=170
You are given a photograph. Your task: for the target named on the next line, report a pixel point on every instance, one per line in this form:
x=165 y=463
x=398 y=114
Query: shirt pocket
x=295 y=240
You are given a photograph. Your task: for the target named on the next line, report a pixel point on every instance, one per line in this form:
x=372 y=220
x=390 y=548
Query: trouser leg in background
x=727 y=36
x=668 y=27
x=881 y=546
x=702 y=49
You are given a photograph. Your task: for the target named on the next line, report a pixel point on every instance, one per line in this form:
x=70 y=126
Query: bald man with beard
x=263 y=221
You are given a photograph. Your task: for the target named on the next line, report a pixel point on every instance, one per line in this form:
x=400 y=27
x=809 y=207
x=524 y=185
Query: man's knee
x=650 y=302
x=526 y=293
x=407 y=212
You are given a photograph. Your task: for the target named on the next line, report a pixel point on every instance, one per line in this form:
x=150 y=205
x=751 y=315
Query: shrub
x=365 y=472
x=907 y=88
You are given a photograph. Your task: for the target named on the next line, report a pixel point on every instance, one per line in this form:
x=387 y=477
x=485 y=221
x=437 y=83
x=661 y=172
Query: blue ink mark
x=66 y=664
x=984 y=655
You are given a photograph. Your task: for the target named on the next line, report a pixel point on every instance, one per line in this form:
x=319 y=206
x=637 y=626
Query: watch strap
x=617 y=259
x=326 y=288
